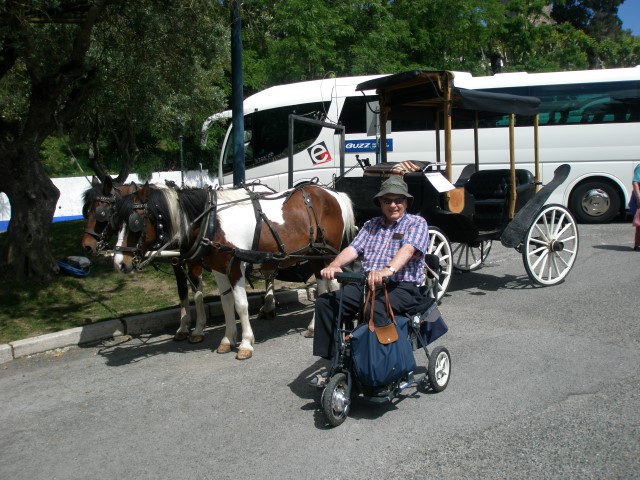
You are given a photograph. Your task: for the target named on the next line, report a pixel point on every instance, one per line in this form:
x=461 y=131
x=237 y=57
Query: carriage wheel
x=439 y=369
x=468 y=257
x=551 y=245
x=439 y=244
x=336 y=399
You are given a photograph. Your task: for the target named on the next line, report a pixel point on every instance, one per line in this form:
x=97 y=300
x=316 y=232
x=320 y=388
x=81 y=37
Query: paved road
x=545 y=384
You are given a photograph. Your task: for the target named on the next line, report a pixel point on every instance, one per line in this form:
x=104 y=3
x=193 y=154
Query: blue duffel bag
x=382 y=355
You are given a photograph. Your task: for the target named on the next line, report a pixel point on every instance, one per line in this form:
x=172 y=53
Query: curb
x=133 y=325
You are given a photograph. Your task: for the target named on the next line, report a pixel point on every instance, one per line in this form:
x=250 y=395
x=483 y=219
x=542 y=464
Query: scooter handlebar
x=351 y=277
x=355 y=277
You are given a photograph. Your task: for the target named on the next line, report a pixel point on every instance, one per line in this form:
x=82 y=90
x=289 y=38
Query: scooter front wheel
x=336 y=399
x=439 y=369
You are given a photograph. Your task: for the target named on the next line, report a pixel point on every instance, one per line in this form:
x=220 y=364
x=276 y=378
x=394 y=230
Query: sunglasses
x=397 y=200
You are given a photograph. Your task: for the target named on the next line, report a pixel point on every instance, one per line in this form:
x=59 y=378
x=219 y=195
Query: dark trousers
x=402 y=296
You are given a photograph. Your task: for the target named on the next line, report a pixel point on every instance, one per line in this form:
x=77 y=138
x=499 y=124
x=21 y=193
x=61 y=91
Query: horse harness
x=314 y=250
x=137 y=223
x=103 y=214
x=207 y=219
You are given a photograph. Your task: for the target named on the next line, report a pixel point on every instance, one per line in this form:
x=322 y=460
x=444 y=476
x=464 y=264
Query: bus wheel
x=595 y=202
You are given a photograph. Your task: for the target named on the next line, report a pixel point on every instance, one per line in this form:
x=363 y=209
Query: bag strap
x=366 y=302
x=371 y=299
x=388 y=304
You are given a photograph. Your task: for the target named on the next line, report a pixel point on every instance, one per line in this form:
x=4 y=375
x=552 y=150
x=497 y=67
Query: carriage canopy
x=420 y=89
x=424 y=93
x=432 y=93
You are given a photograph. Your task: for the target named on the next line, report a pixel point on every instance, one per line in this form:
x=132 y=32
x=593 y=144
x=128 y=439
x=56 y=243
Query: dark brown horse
x=99 y=203
x=226 y=229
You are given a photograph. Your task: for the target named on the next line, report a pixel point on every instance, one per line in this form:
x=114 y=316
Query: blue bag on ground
x=377 y=364
x=75 y=266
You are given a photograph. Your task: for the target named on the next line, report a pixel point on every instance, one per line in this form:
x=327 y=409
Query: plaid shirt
x=378 y=244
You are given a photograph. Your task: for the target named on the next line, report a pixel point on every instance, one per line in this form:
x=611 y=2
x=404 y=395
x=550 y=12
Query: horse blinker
x=136 y=222
x=102 y=213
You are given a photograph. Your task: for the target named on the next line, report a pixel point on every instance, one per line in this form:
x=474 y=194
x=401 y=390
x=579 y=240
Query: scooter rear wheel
x=336 y=399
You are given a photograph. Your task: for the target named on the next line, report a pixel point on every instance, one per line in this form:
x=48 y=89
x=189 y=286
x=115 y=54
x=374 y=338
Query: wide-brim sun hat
x=396 y=185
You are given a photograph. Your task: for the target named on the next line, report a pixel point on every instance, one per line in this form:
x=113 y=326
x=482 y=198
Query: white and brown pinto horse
x=223 y=230
x=99 y=205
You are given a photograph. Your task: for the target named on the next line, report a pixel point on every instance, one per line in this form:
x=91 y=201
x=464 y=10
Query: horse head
x=141 y=219
x=99 y=203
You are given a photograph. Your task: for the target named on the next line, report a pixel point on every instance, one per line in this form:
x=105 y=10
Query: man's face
x=393 y=206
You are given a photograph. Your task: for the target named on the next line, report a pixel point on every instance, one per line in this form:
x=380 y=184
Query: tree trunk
x=57 y=91
x=126 y=142
x=26 y=254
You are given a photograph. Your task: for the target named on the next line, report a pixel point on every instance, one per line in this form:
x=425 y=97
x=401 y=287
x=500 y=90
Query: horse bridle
x=137 y=223
x=103 y=215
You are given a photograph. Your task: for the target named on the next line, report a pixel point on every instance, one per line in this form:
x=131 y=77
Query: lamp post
x=236 y=96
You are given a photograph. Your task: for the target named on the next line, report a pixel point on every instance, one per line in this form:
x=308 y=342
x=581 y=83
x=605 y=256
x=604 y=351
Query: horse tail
x=348 y=217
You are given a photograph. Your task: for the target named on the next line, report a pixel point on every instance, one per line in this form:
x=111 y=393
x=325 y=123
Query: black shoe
x=636 y=248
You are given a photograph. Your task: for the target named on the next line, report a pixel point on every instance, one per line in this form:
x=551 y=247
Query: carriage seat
x=490 y=185
x=490 y=193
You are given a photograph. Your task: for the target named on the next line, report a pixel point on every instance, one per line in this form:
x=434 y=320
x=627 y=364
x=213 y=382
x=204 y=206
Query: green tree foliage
x=301 y=40
x=605 y=43
x=119 y=81
x=109 y=69
x=161 y=72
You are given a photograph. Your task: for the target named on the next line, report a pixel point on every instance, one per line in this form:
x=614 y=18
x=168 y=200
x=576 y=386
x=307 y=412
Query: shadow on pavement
x=291 y=319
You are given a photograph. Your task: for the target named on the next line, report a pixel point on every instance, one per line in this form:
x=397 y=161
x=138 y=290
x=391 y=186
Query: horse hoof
x=180 y=336
x=308 y=334
x=244 y=354
x=223 y=348
x=196 y=338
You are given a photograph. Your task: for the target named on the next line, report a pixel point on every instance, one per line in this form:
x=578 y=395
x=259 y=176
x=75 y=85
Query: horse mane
x=162 y=202
x=193 y=201
x=89 y=196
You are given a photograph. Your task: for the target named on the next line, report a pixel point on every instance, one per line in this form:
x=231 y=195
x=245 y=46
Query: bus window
x=267 y=134
x=410 y=125
x=594 y=103
x=354 y=113
x=604 y=102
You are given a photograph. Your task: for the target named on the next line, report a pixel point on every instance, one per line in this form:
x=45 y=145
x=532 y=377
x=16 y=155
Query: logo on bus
x=359 y=146
x=319 y=153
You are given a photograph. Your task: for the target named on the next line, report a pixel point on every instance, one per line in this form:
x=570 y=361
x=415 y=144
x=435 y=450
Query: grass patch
x=66 y=302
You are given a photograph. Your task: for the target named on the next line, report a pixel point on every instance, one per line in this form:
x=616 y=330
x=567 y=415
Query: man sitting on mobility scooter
x=393 y=246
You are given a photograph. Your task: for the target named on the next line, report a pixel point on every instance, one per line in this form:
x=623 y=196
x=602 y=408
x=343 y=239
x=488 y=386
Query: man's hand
x=376 y=276
x=329 y=272
x=345 y=257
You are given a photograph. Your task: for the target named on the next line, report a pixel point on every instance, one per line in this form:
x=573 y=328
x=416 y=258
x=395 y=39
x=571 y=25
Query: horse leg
x=268 y=309
x=183 y=293
x=227 y=301
x=323 y=287
x=245 y=350
x=195 y=275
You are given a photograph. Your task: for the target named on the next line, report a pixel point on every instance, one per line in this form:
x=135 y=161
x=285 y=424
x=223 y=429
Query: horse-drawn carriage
x=481 y=206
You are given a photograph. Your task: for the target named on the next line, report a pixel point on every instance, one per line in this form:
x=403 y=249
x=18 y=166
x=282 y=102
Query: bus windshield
x=266 y=137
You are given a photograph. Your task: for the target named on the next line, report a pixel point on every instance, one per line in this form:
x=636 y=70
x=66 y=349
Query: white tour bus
x=588 y=119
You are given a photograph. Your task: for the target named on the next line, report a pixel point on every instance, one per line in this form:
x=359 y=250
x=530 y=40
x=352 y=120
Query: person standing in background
x=635 y=194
